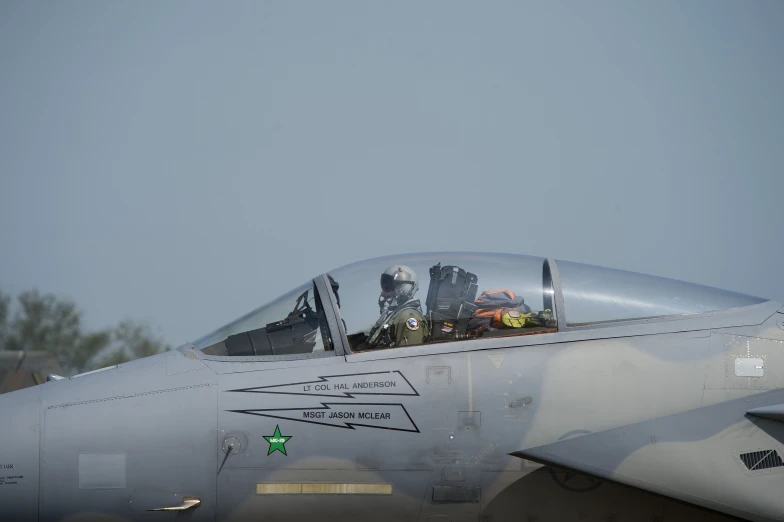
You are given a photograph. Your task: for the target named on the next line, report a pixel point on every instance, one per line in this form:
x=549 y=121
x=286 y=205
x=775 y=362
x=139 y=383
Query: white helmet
x=398 y=285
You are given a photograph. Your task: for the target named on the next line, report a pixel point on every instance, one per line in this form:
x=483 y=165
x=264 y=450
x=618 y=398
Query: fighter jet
x=437 y=387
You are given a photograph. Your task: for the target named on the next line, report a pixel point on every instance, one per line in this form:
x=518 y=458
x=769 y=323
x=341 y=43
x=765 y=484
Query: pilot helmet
x=398 y=285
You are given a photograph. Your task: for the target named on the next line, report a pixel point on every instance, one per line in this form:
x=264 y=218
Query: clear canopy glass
x=594 y=294
x=525 y=276
x=491 y=295
x=291 y=324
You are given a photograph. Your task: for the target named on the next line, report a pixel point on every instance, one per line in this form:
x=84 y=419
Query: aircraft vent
x=757 y=460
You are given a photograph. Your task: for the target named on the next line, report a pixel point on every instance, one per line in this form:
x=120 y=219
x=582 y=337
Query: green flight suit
x=409 y=327
x=406 y=326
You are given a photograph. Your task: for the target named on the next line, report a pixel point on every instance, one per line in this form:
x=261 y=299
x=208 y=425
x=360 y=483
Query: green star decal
x=277 y=442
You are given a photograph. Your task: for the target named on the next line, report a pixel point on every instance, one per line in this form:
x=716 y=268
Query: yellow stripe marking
x=323 y=489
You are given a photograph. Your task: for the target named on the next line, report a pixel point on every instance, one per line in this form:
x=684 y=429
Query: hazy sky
x=184 y=162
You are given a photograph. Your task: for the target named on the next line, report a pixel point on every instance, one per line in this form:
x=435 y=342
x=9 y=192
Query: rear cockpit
x=416 y=299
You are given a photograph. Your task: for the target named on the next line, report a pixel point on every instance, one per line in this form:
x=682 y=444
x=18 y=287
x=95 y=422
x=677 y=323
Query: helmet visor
x=387 y=283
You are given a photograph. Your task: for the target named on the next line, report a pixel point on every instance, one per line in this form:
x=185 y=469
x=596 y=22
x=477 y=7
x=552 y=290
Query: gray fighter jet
x=506 y=388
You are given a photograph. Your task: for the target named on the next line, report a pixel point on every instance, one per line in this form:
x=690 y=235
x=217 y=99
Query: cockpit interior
x=458 y=297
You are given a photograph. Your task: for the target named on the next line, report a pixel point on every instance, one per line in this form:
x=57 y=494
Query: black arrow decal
x=345 y=415
x=391 y=383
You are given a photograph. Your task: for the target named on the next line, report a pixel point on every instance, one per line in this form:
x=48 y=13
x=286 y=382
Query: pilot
x=401 y=321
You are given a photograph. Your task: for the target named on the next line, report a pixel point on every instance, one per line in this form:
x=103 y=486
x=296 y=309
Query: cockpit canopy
x=594 y=294
x=460 y=296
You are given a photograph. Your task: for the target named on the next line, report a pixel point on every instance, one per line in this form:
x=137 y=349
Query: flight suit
x=408 y=326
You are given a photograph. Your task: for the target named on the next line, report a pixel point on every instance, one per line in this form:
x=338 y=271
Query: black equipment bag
x=450 y=301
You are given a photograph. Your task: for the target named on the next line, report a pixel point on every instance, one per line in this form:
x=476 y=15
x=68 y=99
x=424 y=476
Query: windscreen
x=294 y=323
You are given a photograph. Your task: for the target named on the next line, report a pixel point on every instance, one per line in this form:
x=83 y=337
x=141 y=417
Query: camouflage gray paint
x=532 y=427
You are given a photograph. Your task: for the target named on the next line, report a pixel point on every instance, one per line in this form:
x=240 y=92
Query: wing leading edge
x=773 y=412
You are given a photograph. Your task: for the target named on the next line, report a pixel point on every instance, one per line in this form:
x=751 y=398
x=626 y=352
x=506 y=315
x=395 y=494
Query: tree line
x=36 y=321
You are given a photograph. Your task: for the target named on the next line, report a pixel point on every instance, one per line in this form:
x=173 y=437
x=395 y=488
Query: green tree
x=46 y=322
x=132 y=340
x=5 y=302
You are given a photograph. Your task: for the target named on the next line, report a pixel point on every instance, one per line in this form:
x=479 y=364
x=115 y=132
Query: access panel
x=127 y=441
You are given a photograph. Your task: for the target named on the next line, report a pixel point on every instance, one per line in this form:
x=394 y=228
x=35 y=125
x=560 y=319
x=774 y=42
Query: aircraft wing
x=774 y=412
x=715 y=456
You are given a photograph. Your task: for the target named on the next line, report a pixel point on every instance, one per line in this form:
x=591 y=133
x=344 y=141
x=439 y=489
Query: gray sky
x=184 y=162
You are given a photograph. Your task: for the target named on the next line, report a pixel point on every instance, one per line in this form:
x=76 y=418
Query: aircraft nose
x=20 y=432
